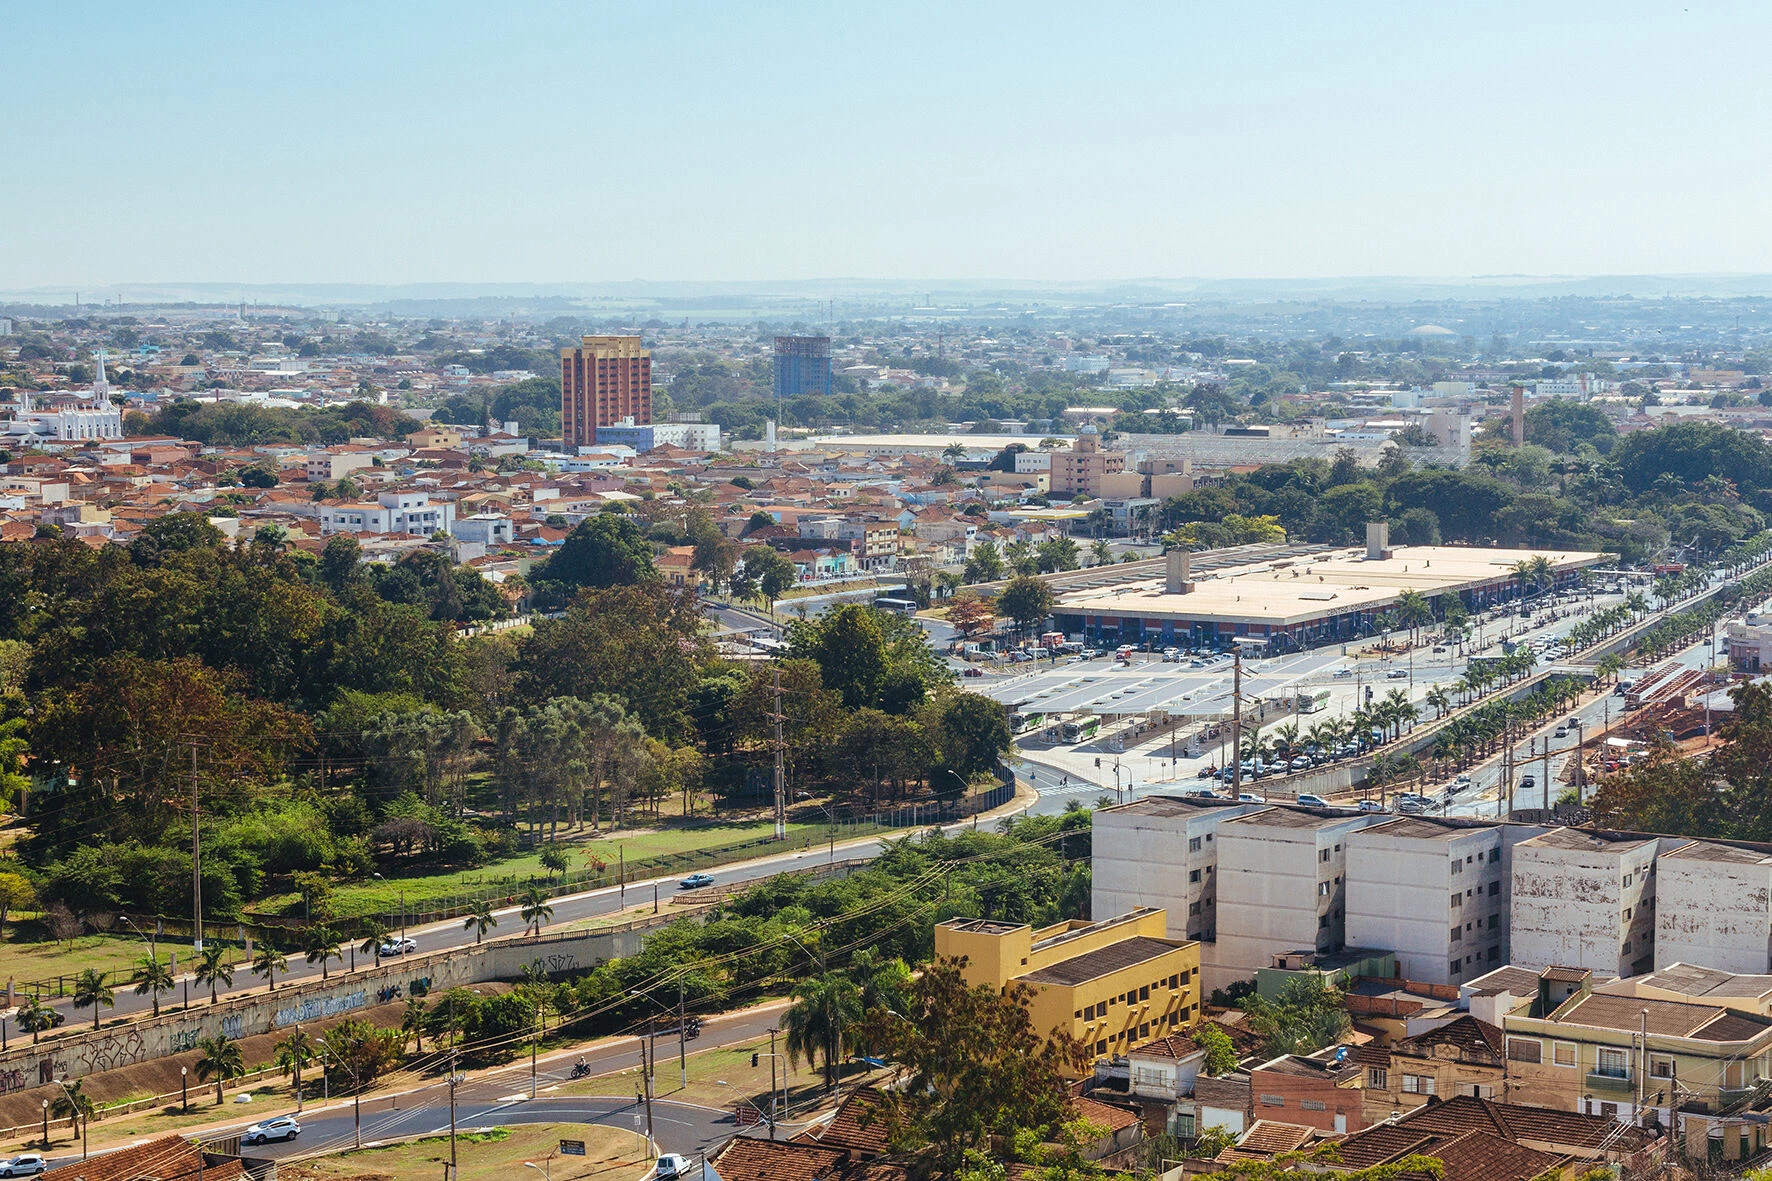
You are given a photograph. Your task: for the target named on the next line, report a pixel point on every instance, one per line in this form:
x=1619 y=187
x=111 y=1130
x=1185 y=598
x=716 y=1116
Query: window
x=1494 y=889
x=1323 y=855
x=1525 y=1049
x=1495 y=953
x=1193 y=908
x=1322 y=922
x=1101 y=1047
x=1418 y=1084
x=1144 y=994
x=1078 y=1015
x=1193 y=875
x=1322 y=889
x=1456 y=902
x=1175 y=981
x=1612 y=1063
x=1494 y=922
x=1457 y=866
x=1563 y=1054
x=1609 y=1110
x=1626 y=947
x=1144 y=1030
x=1661 y=1067
x=1193 y=845
x=1378 y=1078
x=1626 y=915
x=1457 y=935
x=1453 y=968
x=1273 y=1101
x=1627 y=880
x=1312 y=1105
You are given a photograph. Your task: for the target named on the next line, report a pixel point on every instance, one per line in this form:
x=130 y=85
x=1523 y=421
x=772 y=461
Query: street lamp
x=547 y=1161
x=184 y=1088
x=77 y=1114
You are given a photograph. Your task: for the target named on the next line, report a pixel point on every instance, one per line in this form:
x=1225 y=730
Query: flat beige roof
x=1290 y=591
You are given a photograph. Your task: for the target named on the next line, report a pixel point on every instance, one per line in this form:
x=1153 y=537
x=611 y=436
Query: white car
x=1312 y=801
x=399 y=947
x=26 y=1165
x=284 y=1127
x=670 y=1165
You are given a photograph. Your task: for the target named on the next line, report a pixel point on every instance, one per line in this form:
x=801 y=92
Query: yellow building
x=1112 y=985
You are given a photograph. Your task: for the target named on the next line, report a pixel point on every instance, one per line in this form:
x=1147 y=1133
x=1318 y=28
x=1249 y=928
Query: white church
x=67 y=419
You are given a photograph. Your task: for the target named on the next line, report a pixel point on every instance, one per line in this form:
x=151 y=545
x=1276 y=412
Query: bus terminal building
x=1300 y=602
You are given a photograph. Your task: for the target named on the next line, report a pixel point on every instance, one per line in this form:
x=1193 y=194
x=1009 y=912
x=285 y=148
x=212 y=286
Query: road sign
x=746 y=1114
x=572 y=1148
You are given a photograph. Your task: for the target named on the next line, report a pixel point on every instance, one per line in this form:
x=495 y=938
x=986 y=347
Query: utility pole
x=772 y=1111
x=781 y=806
x=196 y=862
x=646 y=1076
x=682 y=1042
x=1236 y=721
x=453 y=1079
x=533 y=1043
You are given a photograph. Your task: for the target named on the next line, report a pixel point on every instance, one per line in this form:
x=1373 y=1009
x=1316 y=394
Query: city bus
x=1312 y=701
x=899 y=606
x=1022 y=723
x=1081 y=730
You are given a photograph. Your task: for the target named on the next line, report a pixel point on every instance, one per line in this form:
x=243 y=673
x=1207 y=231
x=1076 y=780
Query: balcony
x=1610 y=1087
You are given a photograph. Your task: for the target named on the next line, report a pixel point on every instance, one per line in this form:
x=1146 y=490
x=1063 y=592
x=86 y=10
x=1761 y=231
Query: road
x=502 y=1097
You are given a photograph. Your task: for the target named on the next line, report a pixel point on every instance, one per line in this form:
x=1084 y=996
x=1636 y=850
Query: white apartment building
x=1162 y=852
x=1434 y=893
x=1282 y=886
x=335 y=465
x=485 y=528
x=1713 y=906
x=391 y=512
x=1583 y=900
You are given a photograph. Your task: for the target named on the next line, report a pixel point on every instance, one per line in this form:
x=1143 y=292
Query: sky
x=585 y=143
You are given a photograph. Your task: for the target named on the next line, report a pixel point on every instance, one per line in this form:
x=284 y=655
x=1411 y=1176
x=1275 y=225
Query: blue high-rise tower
x=802 y=366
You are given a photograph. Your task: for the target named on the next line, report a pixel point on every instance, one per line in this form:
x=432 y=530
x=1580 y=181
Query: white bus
x=1312 y=701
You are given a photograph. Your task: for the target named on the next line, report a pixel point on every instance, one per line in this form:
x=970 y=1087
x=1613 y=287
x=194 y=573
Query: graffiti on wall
x=185 y=1039
x=111 y=1051
x=315 y=1008
x=11 y=1080
x=231 y=1026
x=555 y=964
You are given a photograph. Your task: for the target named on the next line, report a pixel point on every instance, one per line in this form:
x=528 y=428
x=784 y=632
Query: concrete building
x=1321 y=1091
x=1749 y=646
x=488 y=529
x=1713 y=906
x=391 y=512
x=1282 y=887
x=690 y=436
x=1462 y=1057
x=1435 y=893
x=802 y=366
x=1085 y=466
x=1112 y=984
x=1585 y=900
x=1162 y=852
x=336 y=464
x=603 y=381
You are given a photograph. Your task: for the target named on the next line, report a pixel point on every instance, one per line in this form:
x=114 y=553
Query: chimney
x=1175 y=573
x=1519 y=415
x=769 y=435
x=1378 y=540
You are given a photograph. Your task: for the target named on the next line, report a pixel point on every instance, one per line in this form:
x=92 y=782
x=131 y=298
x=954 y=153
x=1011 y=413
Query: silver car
x=27 y=1164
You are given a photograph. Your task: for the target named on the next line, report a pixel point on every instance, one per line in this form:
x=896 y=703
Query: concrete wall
x=1713 y=906
x=1569 y=905
x=72 y=1054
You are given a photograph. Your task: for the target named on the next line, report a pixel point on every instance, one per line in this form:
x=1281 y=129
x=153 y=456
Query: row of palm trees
x=214 y=969
x=1391 y=713
x=1481 y=731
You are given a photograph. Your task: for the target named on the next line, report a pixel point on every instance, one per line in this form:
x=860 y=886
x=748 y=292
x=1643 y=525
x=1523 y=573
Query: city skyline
x=408 y=145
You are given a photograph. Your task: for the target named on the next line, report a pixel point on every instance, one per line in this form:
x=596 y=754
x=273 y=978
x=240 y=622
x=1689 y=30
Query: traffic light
x=755 y=1058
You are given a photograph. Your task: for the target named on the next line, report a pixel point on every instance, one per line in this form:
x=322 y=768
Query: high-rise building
x=802 y=366
x=605 y=380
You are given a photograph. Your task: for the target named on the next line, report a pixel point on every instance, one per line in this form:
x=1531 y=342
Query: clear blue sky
x=484 y=142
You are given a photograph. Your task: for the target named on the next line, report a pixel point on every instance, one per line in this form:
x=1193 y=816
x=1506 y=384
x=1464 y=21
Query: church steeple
x=101 y=388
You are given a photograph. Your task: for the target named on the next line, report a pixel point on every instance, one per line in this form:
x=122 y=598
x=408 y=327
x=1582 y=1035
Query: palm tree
x=267 y=961
x=321 y=944
x=536 y=910
x=1286 y=739
x=153 y=977
x=1610 y=665
x=90 y=989
x=375 y=933
x=74 y=1103
x=1440 y=700
x=814 y=1023
x=413 y=1022
x=213 y=968
x=1414 y=612
x=481 y=920
x=32 y=1015
x=221 y=1061
x=294 y=1052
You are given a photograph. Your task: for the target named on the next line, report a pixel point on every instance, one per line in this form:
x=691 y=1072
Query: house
x=1321 y=1090
x=390 y=512
x=1463 y=1057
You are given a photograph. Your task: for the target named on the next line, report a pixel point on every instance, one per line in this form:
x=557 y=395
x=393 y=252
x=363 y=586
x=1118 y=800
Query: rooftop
x=1666 y=1018
x=1692 y=980
x=1583 y=841
x=1093 y=965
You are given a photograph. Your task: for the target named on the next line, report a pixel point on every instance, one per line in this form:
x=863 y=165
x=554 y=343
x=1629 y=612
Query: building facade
x=1112 y=984
x=391 y=512
x=1584 y=900
x=1084 y=468
x=603 y=381
x=1713 y=906
x=802 y=366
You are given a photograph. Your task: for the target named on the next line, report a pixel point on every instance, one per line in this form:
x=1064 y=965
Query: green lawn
x=422 y=893
x=21 y=962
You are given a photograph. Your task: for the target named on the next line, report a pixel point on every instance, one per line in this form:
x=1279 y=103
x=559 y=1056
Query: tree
x=553 y=859
x=481 y=920
x=609 y=549
x=152 y=978
x=970 y=732
x=815 y=1022
x=870 y=657
x=984 y=563
x=975 y=1064
x=294 y=1052
x=221 y=1060
x=375 y=933
x=536 y=910
x=1305 y=1017
x=75 y=1104
x=970 y=613
x=213 y=968
x=90 y=989
x=1028 y=601
x=412 y=1022
x=1221 y=1053
x=267 y=961
x=320 y=945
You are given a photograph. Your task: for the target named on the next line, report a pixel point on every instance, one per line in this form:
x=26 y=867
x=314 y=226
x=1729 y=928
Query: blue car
x=696 y=881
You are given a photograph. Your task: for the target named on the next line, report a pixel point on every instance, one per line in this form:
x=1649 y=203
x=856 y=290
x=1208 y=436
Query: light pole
x=78 y=1116
x=46 y=1125
x=184 y=1088
x=545 y=1168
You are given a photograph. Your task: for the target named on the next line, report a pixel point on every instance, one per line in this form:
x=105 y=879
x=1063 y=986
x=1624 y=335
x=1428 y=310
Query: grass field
x=611 y=1154
x=21 y=962
x=421 y=892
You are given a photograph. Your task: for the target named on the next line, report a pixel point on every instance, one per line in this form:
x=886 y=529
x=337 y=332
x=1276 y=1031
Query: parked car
x=27 y=1164
x=1249 y=797
x=972 y=670
x=672 y=1165
x=696 y=881
x=402 y=946
x=1301 y=763
x=1311 y=801
x=1371 y=806
x=284 y=1127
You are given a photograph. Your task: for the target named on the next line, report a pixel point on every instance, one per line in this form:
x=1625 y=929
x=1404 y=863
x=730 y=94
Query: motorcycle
x=580 y=1070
